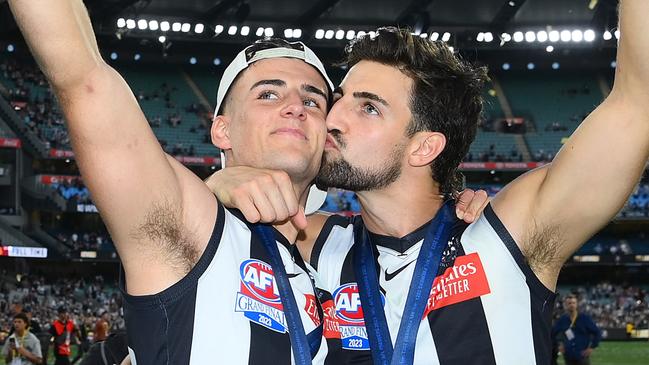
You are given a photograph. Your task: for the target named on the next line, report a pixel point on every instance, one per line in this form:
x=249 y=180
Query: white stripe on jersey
x=218 y=329
x=512 y=340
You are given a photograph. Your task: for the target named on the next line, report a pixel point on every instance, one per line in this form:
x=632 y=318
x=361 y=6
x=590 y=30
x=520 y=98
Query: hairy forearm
x=60 y=37
x=632 y=73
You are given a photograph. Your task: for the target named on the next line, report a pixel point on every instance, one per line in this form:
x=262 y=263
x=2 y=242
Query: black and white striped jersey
x=226 y=310
x=486 y=305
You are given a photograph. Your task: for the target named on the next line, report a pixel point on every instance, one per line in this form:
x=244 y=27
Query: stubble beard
x=339 y=173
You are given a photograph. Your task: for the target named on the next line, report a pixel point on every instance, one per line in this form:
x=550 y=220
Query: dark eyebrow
x=275 y=82
x=371 y=96
x=312 y=89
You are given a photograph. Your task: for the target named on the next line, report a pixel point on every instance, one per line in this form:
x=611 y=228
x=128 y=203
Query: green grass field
x=608 y=353
x=620 y=353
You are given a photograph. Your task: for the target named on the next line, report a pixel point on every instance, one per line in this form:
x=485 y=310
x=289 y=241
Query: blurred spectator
x=64 y=333
x=22 y=347
x=578 y=333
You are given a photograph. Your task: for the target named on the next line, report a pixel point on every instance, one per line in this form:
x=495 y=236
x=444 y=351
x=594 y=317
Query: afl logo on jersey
x=348 y=303
x=259 y=299
x=258 y=278
x=349 y=311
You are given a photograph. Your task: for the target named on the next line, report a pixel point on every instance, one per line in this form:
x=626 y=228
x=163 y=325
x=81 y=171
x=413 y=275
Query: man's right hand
x=267 y=196
x=261 y=195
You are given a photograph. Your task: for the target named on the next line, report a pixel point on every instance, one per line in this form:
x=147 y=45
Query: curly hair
x=446 y=96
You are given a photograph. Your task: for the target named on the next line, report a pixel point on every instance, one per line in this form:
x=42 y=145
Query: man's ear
x=220 y=132
x=425 y=147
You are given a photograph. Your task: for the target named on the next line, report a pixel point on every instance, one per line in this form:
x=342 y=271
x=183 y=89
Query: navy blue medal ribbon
x=426 y=268
x=303 y=347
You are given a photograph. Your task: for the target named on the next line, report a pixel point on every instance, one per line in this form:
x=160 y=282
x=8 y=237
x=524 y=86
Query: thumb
x=299 y=219
x=462 y=202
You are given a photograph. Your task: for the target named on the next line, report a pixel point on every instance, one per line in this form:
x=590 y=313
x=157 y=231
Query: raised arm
x=141 y=193
x=552 y=211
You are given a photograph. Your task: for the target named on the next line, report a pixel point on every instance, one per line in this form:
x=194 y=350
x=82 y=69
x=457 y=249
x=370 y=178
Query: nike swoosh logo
x=292 y=275
x=390 y=276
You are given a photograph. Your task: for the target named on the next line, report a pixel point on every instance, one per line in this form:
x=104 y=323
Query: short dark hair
x=22 y=316
x=446 y=96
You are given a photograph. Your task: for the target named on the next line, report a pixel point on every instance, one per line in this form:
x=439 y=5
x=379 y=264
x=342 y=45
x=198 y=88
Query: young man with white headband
x=199 y=280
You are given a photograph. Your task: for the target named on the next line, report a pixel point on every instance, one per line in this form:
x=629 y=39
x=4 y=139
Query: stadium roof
x=485 y=14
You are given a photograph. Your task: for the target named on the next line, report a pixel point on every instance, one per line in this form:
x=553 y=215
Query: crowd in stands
x=34 y=103
x=491 y=155
x=85 y=299
x=86 y=241
x=72 y=190
x=342 y=202
x=38 y=110
x=542 y=156
x=638 y=204
x=612 y=306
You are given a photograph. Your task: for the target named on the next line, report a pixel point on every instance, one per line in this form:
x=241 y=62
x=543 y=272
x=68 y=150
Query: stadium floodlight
x=245 y=30
x=113 y=56
x=434 y=36
x=121 y=23
x=199 y=28
x=361 y=34
x=577 y=36
x=446 y=36
x=232 y=30
x=137 y=57
x=192 y=61
x=153 y=24
x=451 y=48
x=506 y=37
x=549 y=49
x=519 y=37
x=329 y=34
x=480 y=37
x=372 y=34
x=506 y=66
x=531 y=66
x=164 y=26
x=162 y=39
x=566 y=36
x=424 y=35
x=617 y=34
x=351 y=34
x=176 y=27
x=269 y=32
x=142 y=24
x=297 y=33
x=607 y=35
x=259 y=32
x=542 y=36
x=319 y=34
x=340 y=34
x=130 y=24
x=530 y=36
x=488 y=37
x=589 y=35
x=288 y=33
x=554 y=36
x=613 y=64
x=186 y=28
x=217 y=61
x=10 y=48
x=555 y=65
